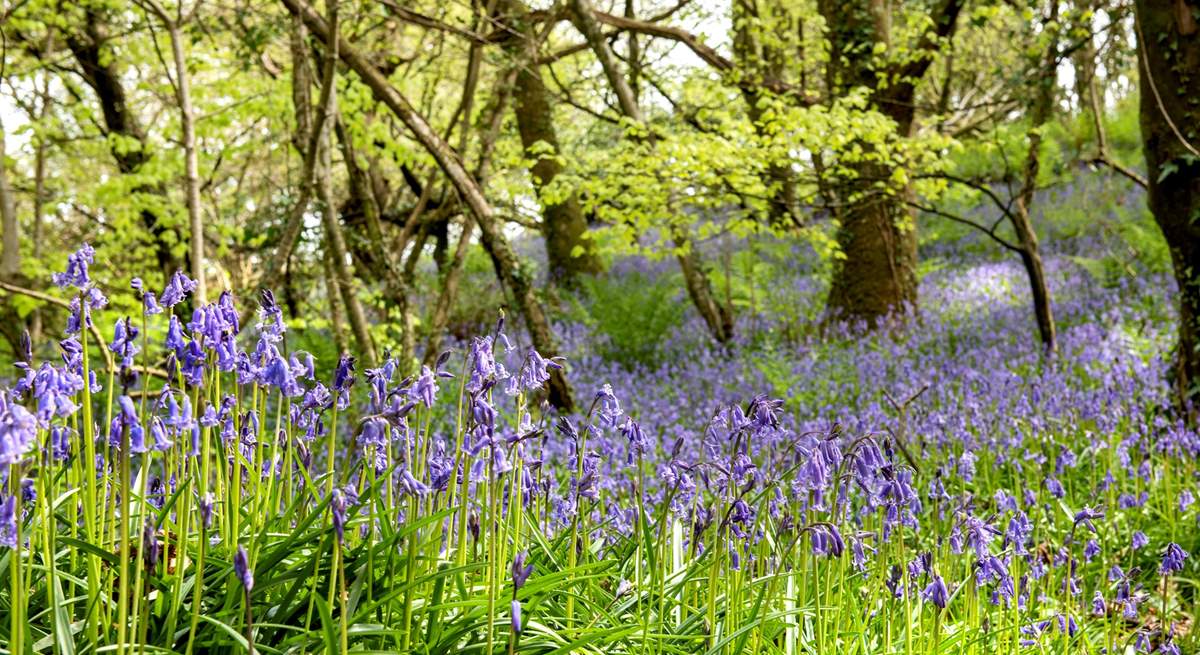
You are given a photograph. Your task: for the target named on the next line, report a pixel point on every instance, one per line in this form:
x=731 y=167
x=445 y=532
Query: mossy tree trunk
x=1169 y=84
x=877 y=234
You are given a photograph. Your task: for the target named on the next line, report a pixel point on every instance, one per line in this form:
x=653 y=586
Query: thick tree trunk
x=878 y=239
x=508 y=267
x=1169 y=54
x=563 y=223
x=877 y=276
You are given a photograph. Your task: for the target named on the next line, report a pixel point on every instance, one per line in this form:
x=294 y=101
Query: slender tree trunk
x=447 y=295
x=563 y=223
x=187 y=118
x=762 y=62
x=376 y=253
x=334 y=241
x=508 y=268
x=306 y=141
x=1040 y=109
x=718 y=318
x=335 y=307
x=1169 y=56
x=10 y=253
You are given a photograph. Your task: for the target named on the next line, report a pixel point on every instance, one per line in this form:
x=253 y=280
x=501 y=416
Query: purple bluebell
x=76 y=274
x=936 y=592
x=1172 y=561
x=241 y=568
x=178 y=287
x=8 y=522
x=18 y=431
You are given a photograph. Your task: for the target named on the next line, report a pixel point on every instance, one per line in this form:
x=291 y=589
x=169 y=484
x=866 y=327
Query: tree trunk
x=334 y=242
x=447 y=294
x=335 y=308
x=183 y=94
x=10 y=252
x=716 y=316
x=508 y=267
x=762 y=66
x=1169 y=54
x=563 y=223
x=1031 y=258
x=877 y=276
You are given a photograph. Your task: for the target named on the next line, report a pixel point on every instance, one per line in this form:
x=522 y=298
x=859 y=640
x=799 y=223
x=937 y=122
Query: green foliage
x=631 y=315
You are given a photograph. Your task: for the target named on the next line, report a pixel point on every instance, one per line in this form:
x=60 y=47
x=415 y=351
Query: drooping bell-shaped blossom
x=534 y=372
x=343 y=379
x=638 y=443
x=271 y=324
x=124 y=343
x=8 y=522
x=178 y=287
x=425 y=387
x=608 y=408
x=77 y=274
x=936 y=592
x=1139 y=540
x=1172 y=561
x=18 y=431
x=241 y=568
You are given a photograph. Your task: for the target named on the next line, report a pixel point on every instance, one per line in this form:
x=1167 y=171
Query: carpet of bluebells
x=189 y=484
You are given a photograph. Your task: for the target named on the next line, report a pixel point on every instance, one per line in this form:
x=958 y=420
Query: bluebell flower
x=1139 y=540
x=8 y=522
x=638 y=443
x=608 y=408
x=76 y=274
x=1172 y=561
x=425 y=387
x=520 y=570
x=936 y=592
x=241 y=567
x=515 y=608
x=177 y=289
x=18 y=431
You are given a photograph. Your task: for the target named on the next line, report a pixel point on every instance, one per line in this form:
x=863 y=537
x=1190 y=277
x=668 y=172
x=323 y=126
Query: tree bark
x=762 y=66
x=563 y=224
x=1169 y=56
x=718 y=318
x=446 y=295
x=187 y=119
x=334 y=241
x=508 y=267
x=10 y=253
x=1039 y=115
x=877 y=276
